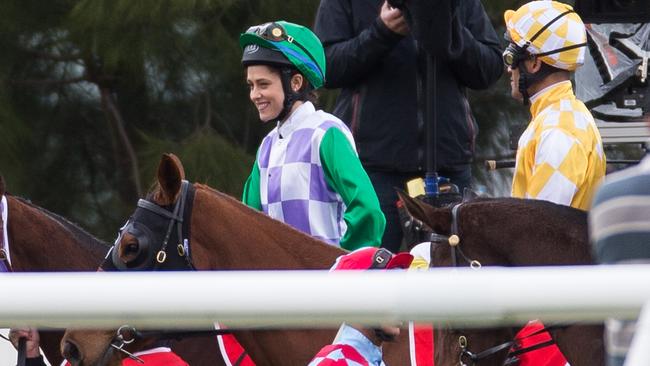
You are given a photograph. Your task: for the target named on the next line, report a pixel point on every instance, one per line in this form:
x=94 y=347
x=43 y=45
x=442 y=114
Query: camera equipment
x=613 y=11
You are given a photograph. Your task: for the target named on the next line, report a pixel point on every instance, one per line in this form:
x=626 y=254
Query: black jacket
x=378 y=73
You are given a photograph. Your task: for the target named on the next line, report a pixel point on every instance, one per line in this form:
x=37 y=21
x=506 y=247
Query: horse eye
x=131 y=248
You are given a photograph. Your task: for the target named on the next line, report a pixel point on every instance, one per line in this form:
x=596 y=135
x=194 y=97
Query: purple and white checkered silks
x=3 y=246
x=292 y=182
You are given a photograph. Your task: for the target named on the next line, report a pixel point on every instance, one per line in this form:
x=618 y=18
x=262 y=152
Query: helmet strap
x=528 y=79
x=290 y=96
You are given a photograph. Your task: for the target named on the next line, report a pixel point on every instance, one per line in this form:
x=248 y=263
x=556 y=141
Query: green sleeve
x=345 y=175
x=251 y=195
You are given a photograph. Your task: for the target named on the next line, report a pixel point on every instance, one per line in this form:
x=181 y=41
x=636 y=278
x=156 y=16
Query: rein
x=474 y=358
x=22 y=351
x=127 y=335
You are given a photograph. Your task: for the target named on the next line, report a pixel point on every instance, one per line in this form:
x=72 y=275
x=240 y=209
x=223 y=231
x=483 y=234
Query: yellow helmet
x=549 y=30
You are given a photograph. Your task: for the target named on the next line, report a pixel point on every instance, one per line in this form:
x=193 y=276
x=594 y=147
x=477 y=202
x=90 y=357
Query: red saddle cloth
x=421 y=344
x=232 y=351
x=154 y=357
x=531 y=335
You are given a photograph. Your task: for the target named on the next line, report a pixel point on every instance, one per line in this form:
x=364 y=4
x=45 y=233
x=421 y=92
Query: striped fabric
x=560 y=156
x=619 y=221
x=232 y=351
x=619 y=229
x=161 y=356
x=5 y=260
x=421 y=336
x=566 y=31
x=292 y=182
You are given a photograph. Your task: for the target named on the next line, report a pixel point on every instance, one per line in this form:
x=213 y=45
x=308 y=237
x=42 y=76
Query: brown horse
x=509 y=232
x=41 y=241
x=225 y=235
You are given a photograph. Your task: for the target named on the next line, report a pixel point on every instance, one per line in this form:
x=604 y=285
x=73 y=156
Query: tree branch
x=114 y=112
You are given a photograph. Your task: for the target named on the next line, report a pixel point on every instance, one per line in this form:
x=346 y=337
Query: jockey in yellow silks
x=560 y=156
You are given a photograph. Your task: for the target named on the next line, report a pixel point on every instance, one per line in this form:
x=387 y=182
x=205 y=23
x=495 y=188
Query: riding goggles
x=275 y=32
x=514 y=54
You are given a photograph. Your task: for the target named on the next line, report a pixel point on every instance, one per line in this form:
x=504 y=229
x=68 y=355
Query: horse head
x=141 y=245
x=221 y=234
x=507 y=232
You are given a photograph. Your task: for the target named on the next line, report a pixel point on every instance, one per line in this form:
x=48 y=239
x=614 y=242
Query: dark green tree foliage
x=95 y=90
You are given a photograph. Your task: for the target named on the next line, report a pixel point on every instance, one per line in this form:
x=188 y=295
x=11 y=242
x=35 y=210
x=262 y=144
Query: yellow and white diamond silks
x=560 y=156
x=566 y=31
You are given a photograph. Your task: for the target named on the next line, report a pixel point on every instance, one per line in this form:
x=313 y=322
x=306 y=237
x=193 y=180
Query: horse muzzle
x=71 y=352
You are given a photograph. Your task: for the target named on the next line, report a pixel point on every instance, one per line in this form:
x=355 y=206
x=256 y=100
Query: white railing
x=461 y=297
x=639 y=354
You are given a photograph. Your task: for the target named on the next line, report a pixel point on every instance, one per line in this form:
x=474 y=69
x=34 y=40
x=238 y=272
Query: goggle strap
x=548 y=25
x=561 y=49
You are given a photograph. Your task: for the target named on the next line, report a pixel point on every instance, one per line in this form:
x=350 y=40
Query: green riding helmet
x=284 y=43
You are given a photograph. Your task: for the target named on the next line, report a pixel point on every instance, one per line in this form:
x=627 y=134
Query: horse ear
x=469 y=195
x=437 y=219
x=170 y=175
x=416 y=208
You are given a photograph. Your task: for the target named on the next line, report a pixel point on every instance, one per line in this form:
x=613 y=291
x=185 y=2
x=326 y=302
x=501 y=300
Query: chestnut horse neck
x=227 y=234
x=40 y=240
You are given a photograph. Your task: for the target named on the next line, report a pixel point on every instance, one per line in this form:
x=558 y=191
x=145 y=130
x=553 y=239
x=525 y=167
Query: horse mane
x=91 y=242
x=302 y=245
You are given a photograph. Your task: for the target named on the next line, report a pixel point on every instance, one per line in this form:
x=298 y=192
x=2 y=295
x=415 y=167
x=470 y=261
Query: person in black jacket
x=371 y=54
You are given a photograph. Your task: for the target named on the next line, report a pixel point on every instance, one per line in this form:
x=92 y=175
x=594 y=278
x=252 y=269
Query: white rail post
x=639 y=353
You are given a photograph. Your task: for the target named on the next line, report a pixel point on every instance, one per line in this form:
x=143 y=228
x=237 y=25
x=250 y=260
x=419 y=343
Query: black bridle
x=154 y=226
x=453 y=240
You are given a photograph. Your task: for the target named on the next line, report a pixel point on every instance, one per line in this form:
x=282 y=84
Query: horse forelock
x=2 y=185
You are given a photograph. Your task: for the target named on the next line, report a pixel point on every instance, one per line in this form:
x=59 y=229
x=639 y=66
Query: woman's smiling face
x=266 y=91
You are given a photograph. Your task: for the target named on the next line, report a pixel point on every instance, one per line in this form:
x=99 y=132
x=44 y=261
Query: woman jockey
x=307 y=172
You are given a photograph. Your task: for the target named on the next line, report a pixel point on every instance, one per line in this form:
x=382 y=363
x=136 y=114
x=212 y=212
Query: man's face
x=514 y=84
